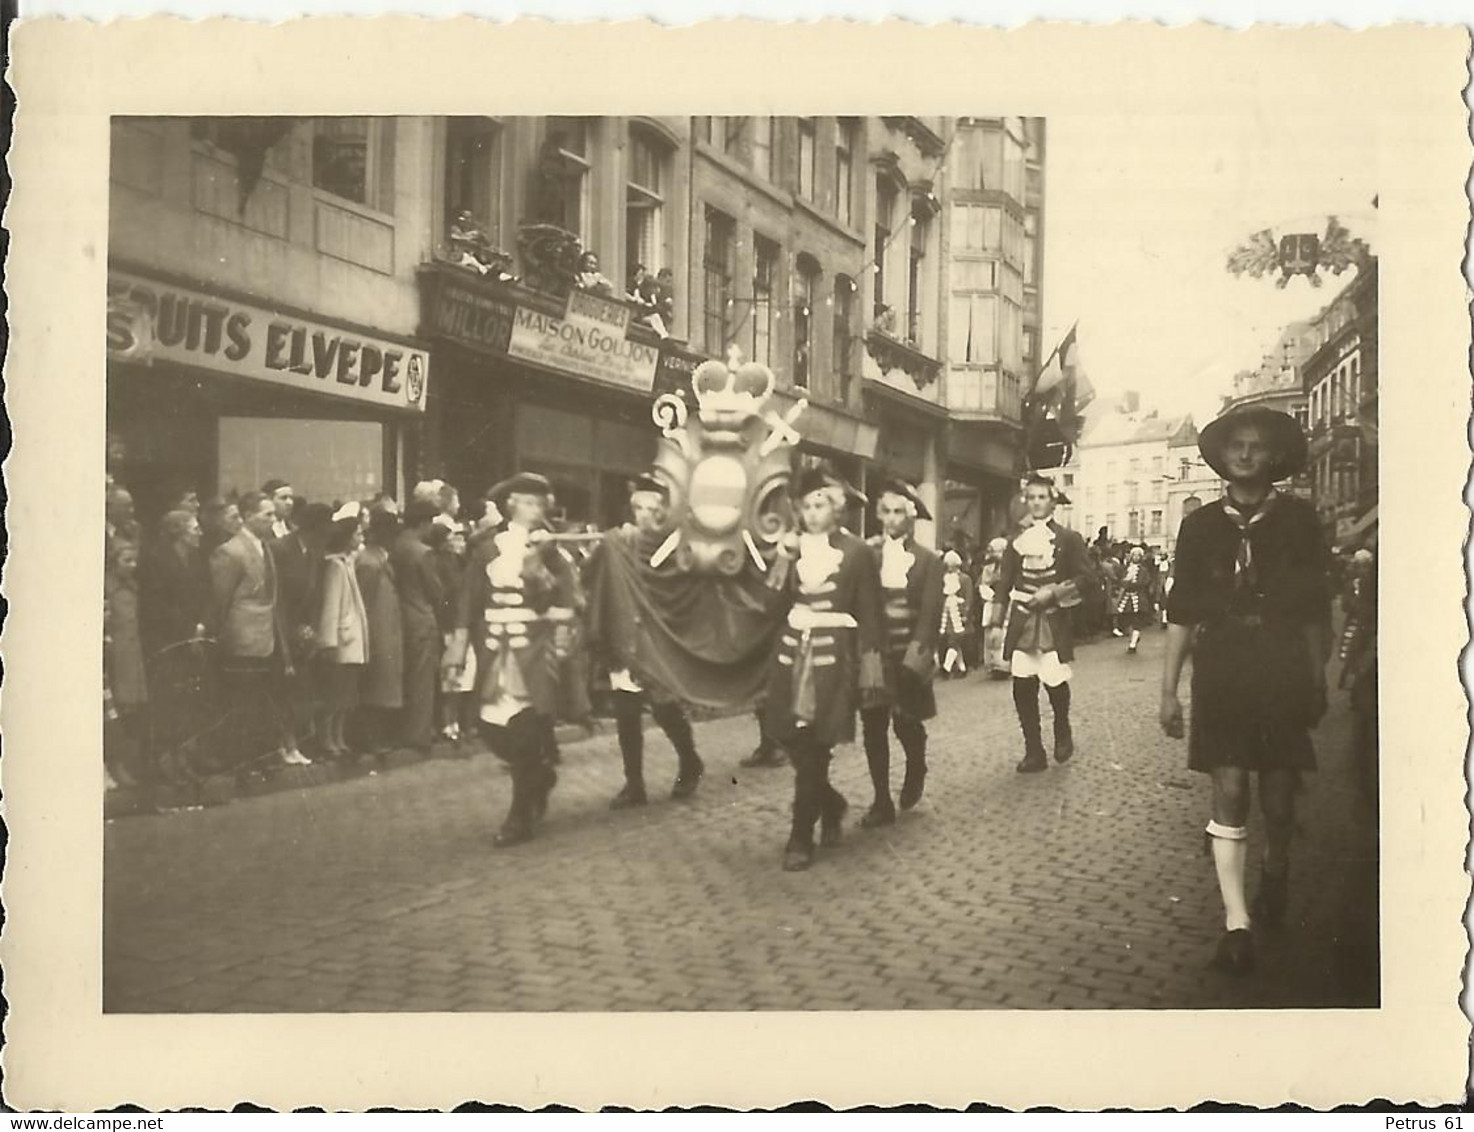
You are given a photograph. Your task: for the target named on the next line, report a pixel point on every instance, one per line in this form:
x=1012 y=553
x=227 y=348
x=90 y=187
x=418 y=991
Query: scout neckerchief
x=1243 y=560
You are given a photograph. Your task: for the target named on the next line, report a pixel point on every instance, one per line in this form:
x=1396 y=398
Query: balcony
x=974 y=393
x=891 y=354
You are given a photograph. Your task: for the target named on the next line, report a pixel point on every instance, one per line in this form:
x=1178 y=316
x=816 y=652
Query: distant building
x=1135 y=473
x=1340 y=380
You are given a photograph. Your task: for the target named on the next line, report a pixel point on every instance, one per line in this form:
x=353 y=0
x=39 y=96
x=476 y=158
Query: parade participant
x=1043 y=570
x=1250 y=600
x=649 y=504
x=828 y=661
x=516 y=608
x=1133 y=605
x=956 y=615
x=911 y=584
x=767 y=752
x=995 y=604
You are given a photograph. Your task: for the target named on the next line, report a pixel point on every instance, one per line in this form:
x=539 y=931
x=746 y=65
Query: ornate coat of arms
x=1301 y=253
x=726 y=467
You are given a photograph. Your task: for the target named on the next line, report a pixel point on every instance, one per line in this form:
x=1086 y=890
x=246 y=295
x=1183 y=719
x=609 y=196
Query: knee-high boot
x=1026 y=702
x=518 y=745
x=874 y=724
x=628 y=710
x=912 y=734
x=672 y=719
x=1064 y=736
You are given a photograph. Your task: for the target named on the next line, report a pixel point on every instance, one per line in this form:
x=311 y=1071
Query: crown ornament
x=730 y=393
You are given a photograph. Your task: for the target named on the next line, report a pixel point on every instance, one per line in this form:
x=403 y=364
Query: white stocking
x=1231 y=859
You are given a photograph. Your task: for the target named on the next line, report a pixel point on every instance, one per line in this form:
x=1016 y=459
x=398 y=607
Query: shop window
x=326 y=461
x=806 y=131
x=844 y=157
x=353 y=158
x=844 y=313
x=764 y=276
x=644 y=203
x=717 y=270
x=473 y=173
x=806 y=283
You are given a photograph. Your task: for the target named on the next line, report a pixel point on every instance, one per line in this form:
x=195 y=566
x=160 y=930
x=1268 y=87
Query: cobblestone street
x=1082 y=887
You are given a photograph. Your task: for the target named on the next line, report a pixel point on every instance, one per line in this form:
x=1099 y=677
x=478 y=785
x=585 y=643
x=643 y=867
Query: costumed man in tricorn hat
x=828 y=659
x=911 y=583
x=649 y=504
x=1251 y=601
x=1043 y=569
x=516 y=610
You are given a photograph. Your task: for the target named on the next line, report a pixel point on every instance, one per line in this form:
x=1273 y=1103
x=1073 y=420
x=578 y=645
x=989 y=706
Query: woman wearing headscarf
x=340 y=634
x=125 y=742
x=174 y=609
x=381 y=694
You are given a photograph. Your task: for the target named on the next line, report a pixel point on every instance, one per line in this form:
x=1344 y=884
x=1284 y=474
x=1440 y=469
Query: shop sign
x=588 y=309
x=586 y=347
x=674 y=372
x=474 y=318
x=149 y=321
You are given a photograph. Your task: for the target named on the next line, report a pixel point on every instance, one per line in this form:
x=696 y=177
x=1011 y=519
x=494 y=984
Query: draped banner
x=704 y=639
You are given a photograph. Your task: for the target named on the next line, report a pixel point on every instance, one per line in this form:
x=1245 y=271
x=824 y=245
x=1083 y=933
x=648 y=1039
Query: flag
x=1060 y=365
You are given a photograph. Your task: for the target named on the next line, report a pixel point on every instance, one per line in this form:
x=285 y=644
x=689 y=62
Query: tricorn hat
x=523 y=483
x=906 y=491
x=821 y=476
x=650 y=484
x=1281 y=432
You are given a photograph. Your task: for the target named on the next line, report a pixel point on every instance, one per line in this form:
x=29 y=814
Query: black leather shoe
x=1235 y=955
x=544 y=792
x=1032 y=764
x=514 y=831
x=831 y=823
x=687 y=782
x=797 y=858
x=912 y=788
x=1273 y=897
x=878 y=815
x=1064 y=748
x=628 y=798
x=773 y=756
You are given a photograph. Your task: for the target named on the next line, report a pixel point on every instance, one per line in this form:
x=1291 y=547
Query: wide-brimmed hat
x=906 y=491
x=1281 y=432
x=523 y=483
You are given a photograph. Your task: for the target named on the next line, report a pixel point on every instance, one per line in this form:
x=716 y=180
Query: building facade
x=1340 y=382
x=262 y=306
x=887 y=269
x=1134 y=473
x=993 y=244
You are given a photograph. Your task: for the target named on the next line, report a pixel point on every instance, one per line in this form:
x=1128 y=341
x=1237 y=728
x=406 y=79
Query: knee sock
x=1230 y=859
x=628 y=708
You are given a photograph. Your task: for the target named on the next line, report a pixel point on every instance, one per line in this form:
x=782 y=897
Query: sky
x=1141 y=214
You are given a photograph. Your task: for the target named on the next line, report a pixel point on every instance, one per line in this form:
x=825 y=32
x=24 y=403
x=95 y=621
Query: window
x=844 y=312
x=717 y=270
x=765 y=270
x=1184 y=468
x=1157 y=466
x=473 y=170
x=1302 y=417
x=353 y=158
x=760 y=131
x=568 y=152
x=1133 y=524
x=1133 y=492
x=844 y=156
x=920 y=231
x=973 y=329
x=806 y=158
x=1069 y=479
x=734 y=133
x=805 y=285
x=885 y=207
x=1013 y=167
x=330 y=459
x=1110 y=524
x=1110 y=493
x=1135 y=465
x=1156 y=527
x=644 y=204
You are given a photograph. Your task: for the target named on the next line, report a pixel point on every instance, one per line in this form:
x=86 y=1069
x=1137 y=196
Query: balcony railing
x=972 y=391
